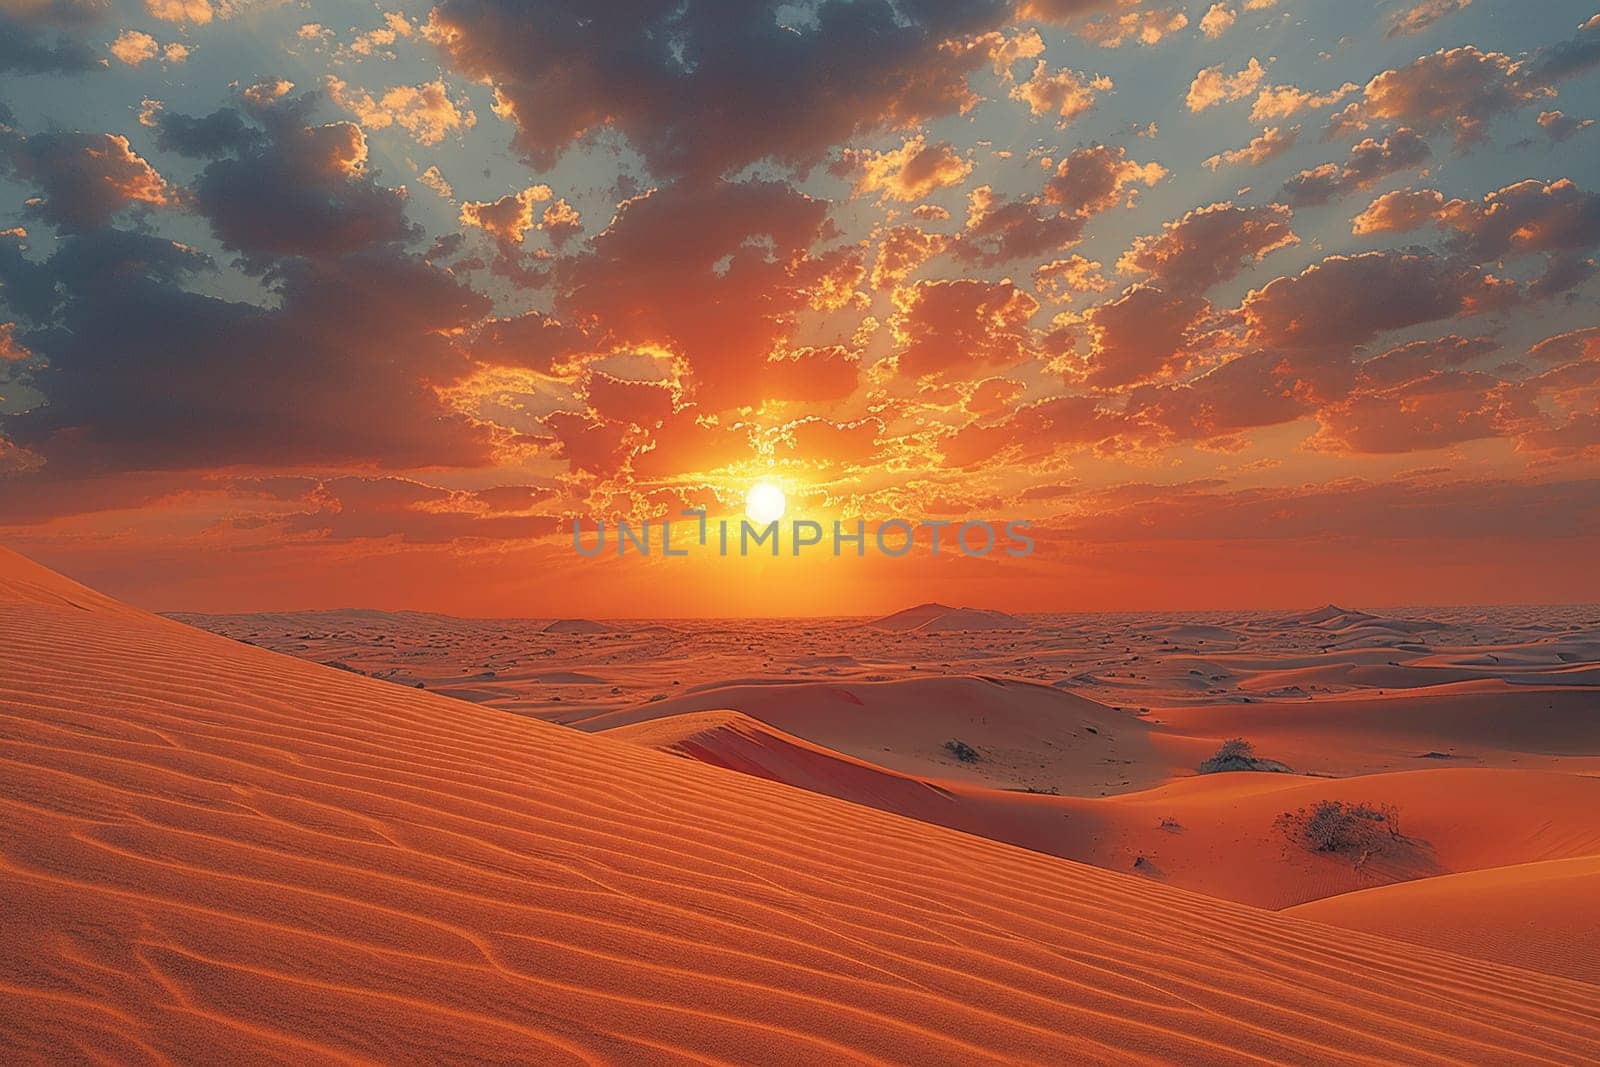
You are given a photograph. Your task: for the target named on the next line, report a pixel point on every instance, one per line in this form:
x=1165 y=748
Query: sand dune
x=1539 y=915
x=577 y=626
x=1025 y=735
x=1486 y=722
x=937 y=618
x=1214 y=834
x=212 y=852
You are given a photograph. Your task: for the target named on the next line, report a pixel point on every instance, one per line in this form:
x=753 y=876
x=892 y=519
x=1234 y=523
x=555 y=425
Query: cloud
x=1094 y=179
x=1456 y=91
x=1212 y=87
x=1529 y=217
x=909 y=172
x=1062 y=279
x=143 y=373
x=561 y=221
x=950 y=329
x=715 y=273
x=1286 y=101
x=134 y=47
x=1210 y=245
x=1569 y=347
x=1251 y=390
x=358 y=508
x=1033 y=432
x=1370 y=162
x=1218 y=20
x=1418 y=359
x=1273 y=142
x=621 y=400
x=294 y=190
x=693 y=86
x=1570 y=58
x=1141 y=335
x=1064 y=95
x=1560 y=126
x=507 y=219
x=1144 y=26
x=1001 y=229
x=1423 y=15
x=424 y=111
x=533 y=340
x=223 y=132
x=901 y=251
x=24 y=48
x=197 y=12
x=1348 y=300
x=83 y=178
x=1435 y=411
x=826 y=444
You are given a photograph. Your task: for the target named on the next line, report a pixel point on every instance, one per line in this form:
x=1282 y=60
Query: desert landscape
x=919 y=532
x=467 y=841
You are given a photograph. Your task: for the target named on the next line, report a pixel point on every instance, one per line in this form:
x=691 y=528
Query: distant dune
x=1023 y=733
x=937 y=618
x=577 y=626
x=216 y=853
x=1215 y=834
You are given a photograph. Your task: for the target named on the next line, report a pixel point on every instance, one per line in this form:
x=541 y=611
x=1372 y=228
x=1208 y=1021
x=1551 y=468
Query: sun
x=765 y=503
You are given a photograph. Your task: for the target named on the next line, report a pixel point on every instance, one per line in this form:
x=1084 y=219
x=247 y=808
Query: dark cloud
x=1002 y=229
x=950 y=329
x=1418 y=359
x=1348 y=300
x=83 y=178
x=140 y=373
x=1210 y=245
x=26 y=47
x=696 y=86
x=297 y=190
x=1439 y=409
x=1033 y=432
x=1143 y=334
x=1456 y=91
x=714 y=272
x=1530 y=216
x=1556 y=218
x=223 y=132
x=414 y=512
x=1568 y=59
x=1370 y=162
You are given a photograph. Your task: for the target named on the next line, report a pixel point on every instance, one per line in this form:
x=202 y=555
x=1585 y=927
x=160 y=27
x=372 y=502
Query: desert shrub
x=962 y=751
x=1334 y=826
x=1237 y=754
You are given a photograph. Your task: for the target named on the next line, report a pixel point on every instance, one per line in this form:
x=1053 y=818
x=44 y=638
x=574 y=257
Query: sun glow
x=765 y=503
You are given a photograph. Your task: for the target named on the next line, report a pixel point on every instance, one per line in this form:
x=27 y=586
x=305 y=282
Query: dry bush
x=1334 y=826
x=1237 y=754
x=962 y=751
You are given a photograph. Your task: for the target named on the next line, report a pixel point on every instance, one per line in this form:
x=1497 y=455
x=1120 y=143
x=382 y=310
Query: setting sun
x=765 y=503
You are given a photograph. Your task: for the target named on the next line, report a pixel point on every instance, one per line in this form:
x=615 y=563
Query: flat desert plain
x=944 y=836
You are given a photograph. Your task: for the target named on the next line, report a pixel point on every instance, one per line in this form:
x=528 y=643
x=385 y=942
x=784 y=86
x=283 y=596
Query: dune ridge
x=210 y=851
x=1543 y=909
x=1213 y=834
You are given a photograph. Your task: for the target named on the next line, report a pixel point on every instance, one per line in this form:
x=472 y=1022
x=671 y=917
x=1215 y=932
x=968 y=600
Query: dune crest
x=214 y=852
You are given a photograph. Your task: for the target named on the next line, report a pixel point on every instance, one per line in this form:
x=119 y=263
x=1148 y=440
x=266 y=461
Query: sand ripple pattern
x=213 y=853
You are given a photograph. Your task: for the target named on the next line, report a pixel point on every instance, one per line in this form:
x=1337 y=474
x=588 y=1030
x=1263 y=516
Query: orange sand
x=212 y=852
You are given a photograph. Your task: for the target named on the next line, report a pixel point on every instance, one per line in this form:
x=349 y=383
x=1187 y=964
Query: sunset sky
x=1256 y=303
